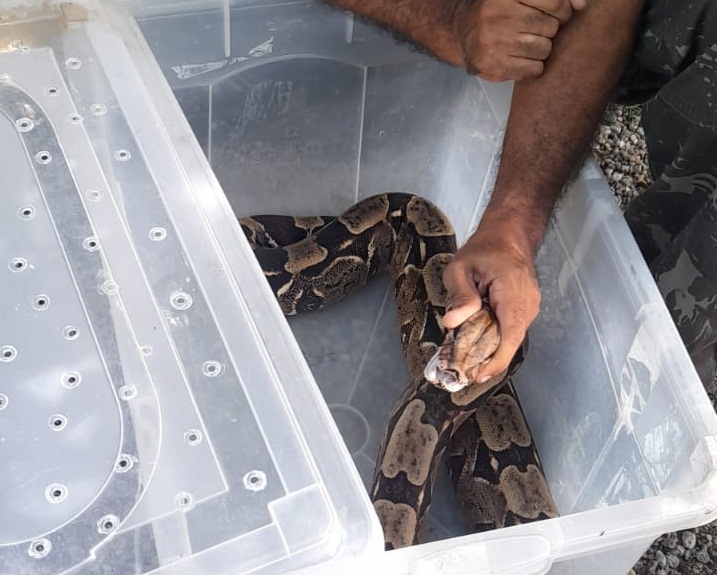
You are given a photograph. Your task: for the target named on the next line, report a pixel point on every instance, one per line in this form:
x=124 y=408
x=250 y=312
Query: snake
x=478 y=431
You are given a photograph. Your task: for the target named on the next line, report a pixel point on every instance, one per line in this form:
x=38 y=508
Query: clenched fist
x=509 y=39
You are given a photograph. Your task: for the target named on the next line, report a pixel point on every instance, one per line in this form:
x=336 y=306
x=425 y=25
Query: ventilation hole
x=122 y=155
x=52 y=90
x=3 y=401
x=181 y=300
x=124 y=463
x=70 y=332
x=57 y=422
x=193 y=437
x=41 y=302
x=127 y=392
x=146 y=350
x=75 y=119
x=56 y=493
x=93 y=195
x=157 y=234
x=107 y=524
x=255 y=480
x=24 y=125
x=91 y=244
x=71 y=380
x=43 y=157
x=212 y=368
x=73 y=63
x=17 y=264
x=98 y=110
x=184 y=501
x=7 y=353
x=39 y=548
x=26 y=212
x=110 y=287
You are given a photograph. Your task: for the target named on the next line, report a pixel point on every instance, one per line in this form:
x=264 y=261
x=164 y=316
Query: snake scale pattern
x=479 y=431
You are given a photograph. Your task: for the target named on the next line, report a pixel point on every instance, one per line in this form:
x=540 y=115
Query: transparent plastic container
x=216 y=436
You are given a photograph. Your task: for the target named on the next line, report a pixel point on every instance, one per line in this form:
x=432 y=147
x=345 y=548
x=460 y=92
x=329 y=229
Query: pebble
x=620 y=150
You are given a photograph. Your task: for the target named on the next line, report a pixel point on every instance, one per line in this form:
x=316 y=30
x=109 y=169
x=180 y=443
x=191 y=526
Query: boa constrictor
x=479 y=430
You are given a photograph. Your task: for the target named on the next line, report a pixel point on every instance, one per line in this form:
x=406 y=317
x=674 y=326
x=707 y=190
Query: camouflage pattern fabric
x=674 y=73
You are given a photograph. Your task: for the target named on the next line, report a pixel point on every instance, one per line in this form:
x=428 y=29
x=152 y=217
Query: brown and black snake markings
x=479 y=431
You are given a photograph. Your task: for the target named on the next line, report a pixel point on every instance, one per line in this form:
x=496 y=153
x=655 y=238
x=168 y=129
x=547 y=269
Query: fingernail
x=484 y=378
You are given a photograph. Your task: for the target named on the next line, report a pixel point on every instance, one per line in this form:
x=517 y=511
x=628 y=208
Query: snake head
x=464 y=351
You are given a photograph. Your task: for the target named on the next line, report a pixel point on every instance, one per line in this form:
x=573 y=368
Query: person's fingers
x=532 y=47
x=463 y=295
x=560 y=9
x=579 y=4
x=539 y=23
x=513 y=327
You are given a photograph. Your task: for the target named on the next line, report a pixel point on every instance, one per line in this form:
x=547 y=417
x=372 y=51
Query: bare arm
x=551 y=122
x=495 y=39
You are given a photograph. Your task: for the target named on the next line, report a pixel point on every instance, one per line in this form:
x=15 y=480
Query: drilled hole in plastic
x=110 y=287
x=3 y=401
x=56 y=493
x=93 y=195
x=57 y=422
x=41 y=302
x=107 y=524
x=17 y=264
x=91 y=244
x=24 y=125
x=26 y=212
x=98 y=110
x=124 y=463
x=43 y=157
x=70 y=332
x=212 y=368
x=255 y=480
x=122 y=155
x=193 y=437
x=146 y=350
x=71 y=380
x=184 y=501
x=73 y=63
x=157 y=234
x=75 y=119
x=7 y=353
x=181 y=300
x=52 y=90
x=127 y=392
x=39 y=548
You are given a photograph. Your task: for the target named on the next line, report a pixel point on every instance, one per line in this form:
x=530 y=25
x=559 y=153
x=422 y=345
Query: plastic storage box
x=157 y=414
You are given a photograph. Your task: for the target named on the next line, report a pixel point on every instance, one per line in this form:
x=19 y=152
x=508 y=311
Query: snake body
x=313 y=261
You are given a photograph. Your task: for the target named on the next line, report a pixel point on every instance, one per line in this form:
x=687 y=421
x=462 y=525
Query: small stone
x=702 y=556
x=661 y=559
x=689 y=539
x=688 y=555
x=671 y=541
x=673 y=561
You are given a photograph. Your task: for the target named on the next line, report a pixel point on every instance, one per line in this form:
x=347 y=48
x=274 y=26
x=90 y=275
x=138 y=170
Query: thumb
x=463 y=296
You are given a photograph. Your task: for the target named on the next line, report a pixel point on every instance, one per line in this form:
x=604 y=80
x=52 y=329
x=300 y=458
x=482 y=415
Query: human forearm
x=553 y=117
x=551 y=121
x=426 y=22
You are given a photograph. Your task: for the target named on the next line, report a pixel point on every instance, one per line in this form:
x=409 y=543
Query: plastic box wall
x=310 y=111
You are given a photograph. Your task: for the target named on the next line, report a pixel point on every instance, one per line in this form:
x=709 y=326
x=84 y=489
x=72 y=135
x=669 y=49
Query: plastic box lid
x=143 y=418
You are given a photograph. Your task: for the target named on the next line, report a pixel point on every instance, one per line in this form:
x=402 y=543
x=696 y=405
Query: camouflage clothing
x=674 y=72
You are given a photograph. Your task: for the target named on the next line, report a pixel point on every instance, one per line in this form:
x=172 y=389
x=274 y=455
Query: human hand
x=510 y=39
x=497 y=263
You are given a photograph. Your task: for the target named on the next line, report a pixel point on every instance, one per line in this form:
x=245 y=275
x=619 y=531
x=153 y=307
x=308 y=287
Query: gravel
x=619 y=147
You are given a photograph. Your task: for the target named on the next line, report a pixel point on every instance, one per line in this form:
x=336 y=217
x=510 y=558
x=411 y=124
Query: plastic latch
x=522 y=555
